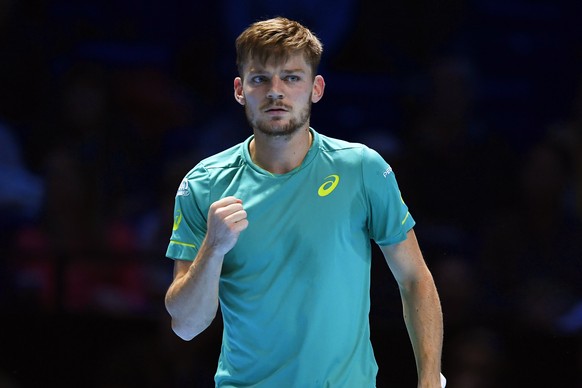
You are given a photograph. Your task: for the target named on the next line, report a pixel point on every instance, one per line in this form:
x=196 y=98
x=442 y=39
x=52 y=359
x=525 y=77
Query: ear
x=318 y=88
x=239 y=94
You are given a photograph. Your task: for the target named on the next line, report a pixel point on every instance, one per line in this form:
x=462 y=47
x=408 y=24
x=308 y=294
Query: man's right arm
x=192 y=298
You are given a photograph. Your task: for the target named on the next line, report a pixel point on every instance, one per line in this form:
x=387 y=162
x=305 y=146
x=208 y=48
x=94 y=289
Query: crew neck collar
x=308 y=157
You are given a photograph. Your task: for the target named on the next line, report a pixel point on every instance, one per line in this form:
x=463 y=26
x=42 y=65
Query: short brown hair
x=277 y=39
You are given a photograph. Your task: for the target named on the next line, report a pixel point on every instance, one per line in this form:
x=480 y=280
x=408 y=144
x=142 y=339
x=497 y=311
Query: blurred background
x=105 y=105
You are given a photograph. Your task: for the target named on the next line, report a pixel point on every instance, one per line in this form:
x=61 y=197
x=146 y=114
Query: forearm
x=423 y=318
x=192 y=298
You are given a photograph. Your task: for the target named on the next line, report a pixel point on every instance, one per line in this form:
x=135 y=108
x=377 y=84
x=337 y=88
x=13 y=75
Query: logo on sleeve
x=184 y=190
x=331 y=182
x=177 y=220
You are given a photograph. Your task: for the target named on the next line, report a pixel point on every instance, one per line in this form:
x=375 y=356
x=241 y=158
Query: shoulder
x=228 y=159
x=341 y=151
x=330 y=144
x=350 y=151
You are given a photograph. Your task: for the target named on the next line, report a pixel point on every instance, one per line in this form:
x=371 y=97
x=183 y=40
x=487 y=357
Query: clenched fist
x=226 y=220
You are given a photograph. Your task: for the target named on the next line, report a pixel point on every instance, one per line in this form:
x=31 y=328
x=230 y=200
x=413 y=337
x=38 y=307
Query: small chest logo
x=331 y=182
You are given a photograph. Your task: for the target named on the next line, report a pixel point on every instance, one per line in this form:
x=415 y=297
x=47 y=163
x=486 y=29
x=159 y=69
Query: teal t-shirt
x=295 y=290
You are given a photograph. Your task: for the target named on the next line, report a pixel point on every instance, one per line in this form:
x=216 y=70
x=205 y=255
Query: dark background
x=105 y=105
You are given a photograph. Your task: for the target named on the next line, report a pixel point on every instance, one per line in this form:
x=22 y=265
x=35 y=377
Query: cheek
x=251 y=97
x=306 y=99
x=248 y=109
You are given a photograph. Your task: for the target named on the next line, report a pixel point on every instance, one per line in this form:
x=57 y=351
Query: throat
x=280 y=156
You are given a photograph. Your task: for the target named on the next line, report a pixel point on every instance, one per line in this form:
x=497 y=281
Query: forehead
x=294 y=62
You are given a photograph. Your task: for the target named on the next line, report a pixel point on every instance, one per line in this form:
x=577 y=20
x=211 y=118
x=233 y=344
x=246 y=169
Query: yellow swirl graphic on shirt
x=177 y=220
x=329 y=185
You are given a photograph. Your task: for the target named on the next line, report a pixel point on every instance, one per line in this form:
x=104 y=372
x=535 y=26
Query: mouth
x=276 y=109
x=275 y=112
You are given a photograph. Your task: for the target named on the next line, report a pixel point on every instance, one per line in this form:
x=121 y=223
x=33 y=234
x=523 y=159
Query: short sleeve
x=190 y=214
x=389 y=219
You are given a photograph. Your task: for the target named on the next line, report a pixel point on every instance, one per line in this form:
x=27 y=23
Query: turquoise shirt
x=295 y=290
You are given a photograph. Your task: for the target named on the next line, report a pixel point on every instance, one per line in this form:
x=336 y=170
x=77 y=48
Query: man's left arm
x=421 y=307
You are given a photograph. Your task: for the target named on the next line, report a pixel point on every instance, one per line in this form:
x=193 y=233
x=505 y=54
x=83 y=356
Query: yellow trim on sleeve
x=405 y=218
x=182 y=243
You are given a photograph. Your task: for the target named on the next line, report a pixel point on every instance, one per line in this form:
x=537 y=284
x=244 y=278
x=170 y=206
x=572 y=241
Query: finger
x=227 y=201
x=239 y=226
x=229 y=210
x=236 y=217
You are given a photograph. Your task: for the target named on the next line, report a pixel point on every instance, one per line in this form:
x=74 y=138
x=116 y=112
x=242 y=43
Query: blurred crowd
x=104 y=106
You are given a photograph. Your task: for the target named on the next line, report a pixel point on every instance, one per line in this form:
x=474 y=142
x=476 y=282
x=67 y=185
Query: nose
x=276 y=90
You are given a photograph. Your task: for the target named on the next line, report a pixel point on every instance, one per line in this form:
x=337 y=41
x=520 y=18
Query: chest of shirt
x=300 y=216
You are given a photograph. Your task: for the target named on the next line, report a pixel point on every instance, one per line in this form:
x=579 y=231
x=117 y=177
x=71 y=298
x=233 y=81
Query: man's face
x=277 y=96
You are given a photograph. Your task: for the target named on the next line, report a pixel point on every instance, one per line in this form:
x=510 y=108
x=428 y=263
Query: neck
x=280 y=154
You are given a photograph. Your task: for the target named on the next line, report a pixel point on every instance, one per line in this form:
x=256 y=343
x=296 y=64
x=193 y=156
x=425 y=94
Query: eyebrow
x=294 y=71
x=262 y=70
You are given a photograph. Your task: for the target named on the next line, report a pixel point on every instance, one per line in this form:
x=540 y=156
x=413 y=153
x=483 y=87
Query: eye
x=258 y=79
x=292 y=78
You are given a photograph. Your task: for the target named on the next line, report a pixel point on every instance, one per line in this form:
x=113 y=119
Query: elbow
x=183 y=331
x=187 y=329
x=422 y=281
x=187 y=320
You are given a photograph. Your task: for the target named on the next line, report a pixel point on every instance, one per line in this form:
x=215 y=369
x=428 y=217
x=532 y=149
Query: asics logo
x=177 y=220
x=331 y=182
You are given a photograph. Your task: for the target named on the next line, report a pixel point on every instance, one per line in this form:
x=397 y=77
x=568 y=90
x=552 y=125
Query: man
x=279 y=228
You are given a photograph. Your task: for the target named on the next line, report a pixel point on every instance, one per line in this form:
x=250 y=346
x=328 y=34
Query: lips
x=276 y=109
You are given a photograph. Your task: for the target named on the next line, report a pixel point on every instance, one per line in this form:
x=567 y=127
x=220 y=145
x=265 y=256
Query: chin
x=277 y=129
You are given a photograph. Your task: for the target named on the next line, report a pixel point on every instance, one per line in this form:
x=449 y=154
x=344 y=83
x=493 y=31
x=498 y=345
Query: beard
x=276 y=127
